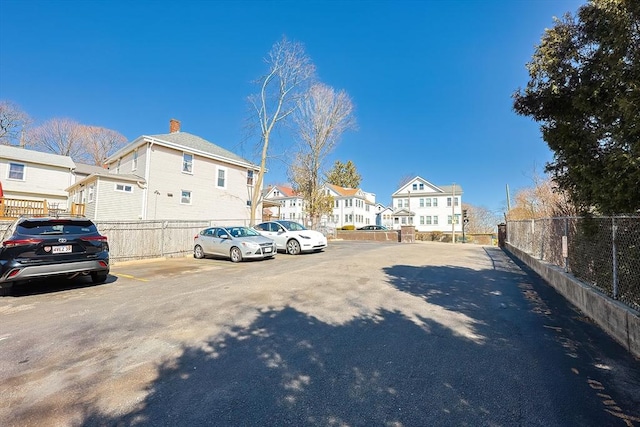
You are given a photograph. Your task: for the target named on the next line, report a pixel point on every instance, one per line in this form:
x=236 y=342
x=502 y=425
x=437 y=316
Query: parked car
x=292 y=237
x=235 y=243
x=374 y=227
x=41 y=247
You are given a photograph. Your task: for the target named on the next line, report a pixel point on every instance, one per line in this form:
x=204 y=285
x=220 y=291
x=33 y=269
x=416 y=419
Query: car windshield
x=292 y=226
x=242 y=232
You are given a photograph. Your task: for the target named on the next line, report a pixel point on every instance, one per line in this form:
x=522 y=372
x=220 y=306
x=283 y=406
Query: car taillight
x=95 y=239
x=20 y=242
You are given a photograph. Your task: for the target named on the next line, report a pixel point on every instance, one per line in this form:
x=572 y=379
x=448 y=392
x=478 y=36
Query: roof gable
x=279 y=191
x=184 y=141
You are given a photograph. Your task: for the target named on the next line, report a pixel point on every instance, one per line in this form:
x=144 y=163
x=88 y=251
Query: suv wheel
x=6 y=290
x=99 y=276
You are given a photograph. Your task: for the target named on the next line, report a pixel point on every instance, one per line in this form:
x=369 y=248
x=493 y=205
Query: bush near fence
x=603 y=252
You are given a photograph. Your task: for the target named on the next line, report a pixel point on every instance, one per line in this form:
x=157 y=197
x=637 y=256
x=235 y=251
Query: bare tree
x=321 y=118
x=543 y=200
x=59 y=136
x=84 y=144
x=405 y=179
x=481 y=219
x=13 y=123
x=100 y=142
x=289 y=68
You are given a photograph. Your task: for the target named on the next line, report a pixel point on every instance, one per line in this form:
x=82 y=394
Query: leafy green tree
x=344 y=175
x=584 y=90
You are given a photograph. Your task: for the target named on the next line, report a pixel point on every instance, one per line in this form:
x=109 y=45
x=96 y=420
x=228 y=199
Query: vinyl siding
x=207 y=200
x=117 y=205
x=40 y=181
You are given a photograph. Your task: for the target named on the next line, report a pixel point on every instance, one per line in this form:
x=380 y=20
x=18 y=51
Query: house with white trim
x=428 y=207
x=352 y=206
x=176 y=175
x=384 y=215
x=285 y=204
x=33 y=175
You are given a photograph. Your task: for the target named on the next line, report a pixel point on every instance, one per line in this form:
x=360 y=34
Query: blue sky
x=431 y=80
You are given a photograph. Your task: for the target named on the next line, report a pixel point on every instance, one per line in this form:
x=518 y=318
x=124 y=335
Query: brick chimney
x=174 y=126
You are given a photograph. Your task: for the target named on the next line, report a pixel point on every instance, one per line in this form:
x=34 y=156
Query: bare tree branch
x=13 y=123
x=321 y=118
x=289 y=68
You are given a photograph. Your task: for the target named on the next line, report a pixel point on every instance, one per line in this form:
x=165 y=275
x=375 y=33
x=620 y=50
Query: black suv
x=40 y=247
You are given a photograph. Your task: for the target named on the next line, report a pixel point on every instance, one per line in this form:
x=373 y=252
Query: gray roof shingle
x=195 y=142
x=32 y=156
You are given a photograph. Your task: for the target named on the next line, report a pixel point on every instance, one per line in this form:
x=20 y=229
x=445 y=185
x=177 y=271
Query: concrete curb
x=615 y=318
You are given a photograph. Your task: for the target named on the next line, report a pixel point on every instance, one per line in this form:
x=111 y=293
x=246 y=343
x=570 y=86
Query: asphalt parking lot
x=362 y=334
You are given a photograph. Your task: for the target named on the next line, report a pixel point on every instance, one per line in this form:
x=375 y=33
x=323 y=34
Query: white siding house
x=384 y=215
x=173 y=176
x=352 y=206
x=33 y=175
x=428 y=207
x=288 y=204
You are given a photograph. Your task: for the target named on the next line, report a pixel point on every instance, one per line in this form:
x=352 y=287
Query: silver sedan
x=235 y=243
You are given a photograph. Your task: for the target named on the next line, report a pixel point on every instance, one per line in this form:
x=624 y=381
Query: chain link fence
x=603 y=252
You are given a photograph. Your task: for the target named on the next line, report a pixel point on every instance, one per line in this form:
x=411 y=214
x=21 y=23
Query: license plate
x=267 y=249
x=63 y=249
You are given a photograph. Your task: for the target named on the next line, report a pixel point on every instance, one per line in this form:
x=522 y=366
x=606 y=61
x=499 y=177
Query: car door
x=206 y=239
x=220 y=242
x=272 y=231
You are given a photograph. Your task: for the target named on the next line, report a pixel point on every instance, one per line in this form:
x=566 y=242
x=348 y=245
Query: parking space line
x=128 y=276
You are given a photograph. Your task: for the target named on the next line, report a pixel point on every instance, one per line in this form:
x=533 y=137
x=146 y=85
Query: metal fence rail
x=603 y=252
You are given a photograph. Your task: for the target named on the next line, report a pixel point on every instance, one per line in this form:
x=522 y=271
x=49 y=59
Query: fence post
x=533 y=237
x=614 y=229
x=162 y=226
x=565 y=246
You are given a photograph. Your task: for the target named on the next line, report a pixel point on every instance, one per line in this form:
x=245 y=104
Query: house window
x=421 y=220
x=92 y=189
x=250 y=177
x=455 y=201
x=125 y=188
x=449 y=205
x=415 y=186
x=399 y=203
x=422 y=203
x=222 y=178
x=134 y=162
x=185 y=197
x=187 y=163
x=457 y=219
x=337 y=203
x=16 y=171
x=435 y=202
x=428 y=220
x=404 y=220
x=427 y=202
x=421 y=186
x=435 y=220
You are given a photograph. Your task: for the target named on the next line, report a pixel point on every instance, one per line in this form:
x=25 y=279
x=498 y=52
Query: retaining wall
x=615 y=318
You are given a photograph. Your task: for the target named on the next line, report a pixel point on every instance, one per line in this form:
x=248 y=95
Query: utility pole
x=453 y=213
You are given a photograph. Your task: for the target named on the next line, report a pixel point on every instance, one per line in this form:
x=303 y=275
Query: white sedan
x=292 y=237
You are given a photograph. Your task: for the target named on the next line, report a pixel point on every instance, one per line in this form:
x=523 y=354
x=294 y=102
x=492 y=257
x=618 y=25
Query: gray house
x=175 y=175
